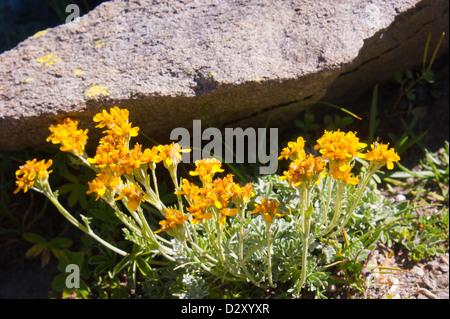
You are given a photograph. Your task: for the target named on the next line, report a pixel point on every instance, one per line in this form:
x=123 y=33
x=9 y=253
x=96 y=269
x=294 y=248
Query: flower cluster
x=340 y=149
x=294 y=150
x=268 y=209
x=69 y=136
x=174 y=218
x=30 y=173
x=305 y=171
x=115 y=159
x=214 y=198
x=382 y=155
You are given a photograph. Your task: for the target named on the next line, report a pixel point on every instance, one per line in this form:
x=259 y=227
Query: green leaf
x=299 y=124
x=120 y=293
x=101 y=268
x=33 y=238
x=60 y=242
x=73 y=197
x=99 y=259
x=35 y=250
x=144 y=267
x=59 y=283
x=123 y=263
x=409 y=74
x=429 y=76
x=66 y=188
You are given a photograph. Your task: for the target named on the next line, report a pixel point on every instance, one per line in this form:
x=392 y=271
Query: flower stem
x=80 y=226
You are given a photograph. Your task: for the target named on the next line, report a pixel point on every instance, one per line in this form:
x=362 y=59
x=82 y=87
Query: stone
x=229 y=63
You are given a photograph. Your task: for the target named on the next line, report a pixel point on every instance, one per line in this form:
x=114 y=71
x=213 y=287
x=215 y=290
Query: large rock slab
x=230 y=63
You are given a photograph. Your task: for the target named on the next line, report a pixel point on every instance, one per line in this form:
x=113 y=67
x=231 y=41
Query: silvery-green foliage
x=195 y=287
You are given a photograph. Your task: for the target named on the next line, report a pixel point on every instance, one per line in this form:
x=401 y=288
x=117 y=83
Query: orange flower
x=117 y=123
x=382 y=155
x=346 y=175
x=30 y=173
x=305 y=171
x=295 y=150
x=267 y=209
x=206 y=168
x=171 y=154
x=339 y=148
x=69 y=136
x=133 y=195
x=174 y=218
x=102 y=182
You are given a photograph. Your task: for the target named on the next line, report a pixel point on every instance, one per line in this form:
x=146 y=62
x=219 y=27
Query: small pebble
x=400 y=198
x=427 y=293
x=429 y=283
x=418 y=271
x=394 y=286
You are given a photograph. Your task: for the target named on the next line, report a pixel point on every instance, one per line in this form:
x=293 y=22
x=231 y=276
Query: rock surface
x=229 y=63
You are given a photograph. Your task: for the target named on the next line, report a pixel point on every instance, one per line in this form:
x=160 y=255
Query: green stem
x=371 y=170
x=269 y=254
x=79 y=225
x=305 y=216
x=337 y=211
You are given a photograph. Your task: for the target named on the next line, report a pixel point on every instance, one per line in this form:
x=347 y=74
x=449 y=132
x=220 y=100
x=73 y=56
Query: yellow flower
x=174 y=218
x=129 y=160
x=117 y=123
x=305 y=171
x=114 y=117
x=344 y=175
x=267 y=209
x=133 y=195
x=171 y=154
x=30 y=173
x=294 y=150
x=102 y=182
x=151 y=155
x=224 y=212
x=198 y=212
x=69 y=136
x=206 y=168
x=382 y=155
x=108 y=155
x=339 y=148
x=96 y=186
x=242 y=195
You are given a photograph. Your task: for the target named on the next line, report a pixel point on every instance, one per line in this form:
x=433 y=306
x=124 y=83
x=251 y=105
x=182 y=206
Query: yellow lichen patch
x=28 y=79
x=40 y=33
x=77 y=72
x=96 y=90
x=99 y=43
x=48 y=59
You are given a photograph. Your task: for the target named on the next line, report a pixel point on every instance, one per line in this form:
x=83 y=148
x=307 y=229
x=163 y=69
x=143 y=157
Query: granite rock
x=230 y=63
